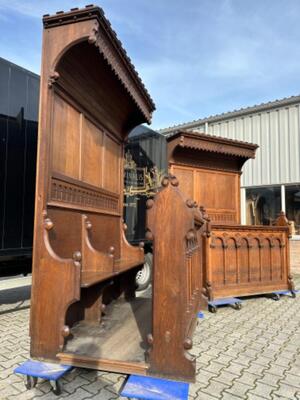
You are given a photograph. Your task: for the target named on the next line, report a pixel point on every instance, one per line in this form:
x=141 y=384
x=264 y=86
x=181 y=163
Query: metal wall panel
x=277 y=132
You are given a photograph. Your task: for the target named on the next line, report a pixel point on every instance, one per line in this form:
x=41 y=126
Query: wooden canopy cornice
x=209 y=143
x=105 y=39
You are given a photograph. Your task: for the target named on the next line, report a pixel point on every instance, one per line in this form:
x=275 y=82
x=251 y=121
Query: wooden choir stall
x=84 y=311
x=239 y=260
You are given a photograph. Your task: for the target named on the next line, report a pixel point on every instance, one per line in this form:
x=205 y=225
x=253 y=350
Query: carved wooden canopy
x=104 y=38
x=199 y=148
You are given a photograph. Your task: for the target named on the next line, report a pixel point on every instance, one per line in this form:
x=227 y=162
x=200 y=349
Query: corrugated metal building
x=271 y=182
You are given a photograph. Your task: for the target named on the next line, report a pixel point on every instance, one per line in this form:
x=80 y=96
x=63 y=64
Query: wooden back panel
x=217 y=191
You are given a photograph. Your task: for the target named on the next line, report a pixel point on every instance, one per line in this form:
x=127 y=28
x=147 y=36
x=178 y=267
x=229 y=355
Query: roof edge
x=235 y=113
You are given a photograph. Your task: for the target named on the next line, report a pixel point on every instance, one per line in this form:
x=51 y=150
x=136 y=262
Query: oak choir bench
x=239 y=260
x=84 y=311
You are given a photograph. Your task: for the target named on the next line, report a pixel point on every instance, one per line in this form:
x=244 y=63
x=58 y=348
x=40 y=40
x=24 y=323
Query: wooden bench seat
x=90 y=278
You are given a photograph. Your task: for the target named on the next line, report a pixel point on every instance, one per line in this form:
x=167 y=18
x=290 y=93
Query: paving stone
x=293 y=380
x=235 y=368
x=262 y=390
x=214 y=367
x=283 y=362
x=270 y=379
x=239 y=389
x=227 y=396
x=205 y=396
x=244 y=360
x=70 y=387
x=247 y=378
x=224 y=359
x=27 y=395
x=95 y=386
x=286 y=391
x=294 y=370
x=7 y=391
x=277 y=370
x=251 y=396
x=255 y=369
x=217 y=388
x=225 y=377
x=195 y=387
x=261 y=360
x=104 y=395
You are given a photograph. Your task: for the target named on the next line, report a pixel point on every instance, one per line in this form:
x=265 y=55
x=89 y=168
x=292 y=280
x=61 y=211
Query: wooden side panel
x=66 y=126
x=57 y=288
x=247 y=260
x=176 y=296
x=92 y=154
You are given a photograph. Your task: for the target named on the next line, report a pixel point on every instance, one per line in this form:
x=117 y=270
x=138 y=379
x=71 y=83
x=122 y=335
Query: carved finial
x=48 y=224
x=181 y=141
x=188 y=344
x=150 y=339
x=88 y=223
x=65 y=331
x=174 y=181
x=77 y=256
x=165 y=181
x=190 y=235
x=189 y=203
x=111 y=251
x=149 y=235
x=149 y=203
x=54 y=76
x=141 y=245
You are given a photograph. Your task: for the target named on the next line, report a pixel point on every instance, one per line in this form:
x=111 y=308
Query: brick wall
x=295 y=256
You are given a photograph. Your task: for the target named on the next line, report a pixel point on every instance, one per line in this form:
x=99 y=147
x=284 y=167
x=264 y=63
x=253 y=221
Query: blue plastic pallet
x=212 y=305
x=148 y=388
x=37 y=369
x=48 y=371
x=285 y=292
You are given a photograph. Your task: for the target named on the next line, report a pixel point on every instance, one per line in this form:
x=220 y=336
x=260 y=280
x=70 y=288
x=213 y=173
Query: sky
x=196 y=57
